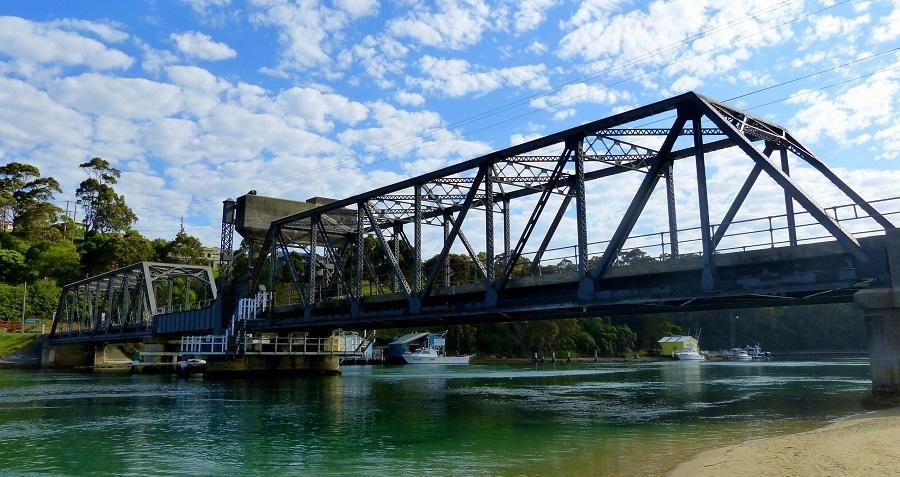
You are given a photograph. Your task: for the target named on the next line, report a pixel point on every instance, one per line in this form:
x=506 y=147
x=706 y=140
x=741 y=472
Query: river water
x=605 y=419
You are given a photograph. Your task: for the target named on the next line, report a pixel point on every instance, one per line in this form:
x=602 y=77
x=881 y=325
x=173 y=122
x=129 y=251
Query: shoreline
x=863 y=444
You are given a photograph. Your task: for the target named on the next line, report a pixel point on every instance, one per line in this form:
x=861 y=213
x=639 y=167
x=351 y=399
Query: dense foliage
x=46 y=249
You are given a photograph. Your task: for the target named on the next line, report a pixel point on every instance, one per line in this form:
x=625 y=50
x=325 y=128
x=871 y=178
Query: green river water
x=610 y=419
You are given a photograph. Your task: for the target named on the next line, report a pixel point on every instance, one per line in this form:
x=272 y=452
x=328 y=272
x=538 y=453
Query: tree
x=104 y=252
x=43 y=296
x=12 y=265
x=633 y=257
x=185 y=249
x=105 y=211
x=58 y=261
x=25 y=196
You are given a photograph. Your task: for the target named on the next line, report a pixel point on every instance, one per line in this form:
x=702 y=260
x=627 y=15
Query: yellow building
x=668 y=345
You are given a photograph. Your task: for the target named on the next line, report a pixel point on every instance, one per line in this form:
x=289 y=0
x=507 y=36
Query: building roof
x=676 y=339
x=409 y=337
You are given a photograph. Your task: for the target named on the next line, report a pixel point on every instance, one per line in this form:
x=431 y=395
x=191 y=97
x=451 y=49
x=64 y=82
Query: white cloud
x=33 y=42
x=530 y=14
x=454 y=24
x=889 y=27
x=701 y=38
x=397 y=133
x=380 y=57
x=30 y=118
x=570 y=95
x=106 y=31
x=121 y=97
x=202 y=46
x=204 y=6
x=315 y=108
x=195 y=78
x=408 y=98
x=358 y=8
x=536 y=48
x=828 y=26
x=857 y=108
x=455 y=77
x=304 y=29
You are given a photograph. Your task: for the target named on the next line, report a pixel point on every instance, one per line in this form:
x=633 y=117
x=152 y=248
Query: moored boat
x=738 y=354
x=689 y=355
x=431 y=356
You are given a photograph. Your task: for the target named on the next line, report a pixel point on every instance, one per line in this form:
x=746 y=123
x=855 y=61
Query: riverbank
x=864 y=445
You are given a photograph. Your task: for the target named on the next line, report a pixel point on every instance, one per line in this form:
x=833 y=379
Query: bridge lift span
x=355 y=261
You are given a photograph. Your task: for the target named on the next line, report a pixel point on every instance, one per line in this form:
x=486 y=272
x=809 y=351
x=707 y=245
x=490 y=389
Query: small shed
x=405 y=343
x=677 y=343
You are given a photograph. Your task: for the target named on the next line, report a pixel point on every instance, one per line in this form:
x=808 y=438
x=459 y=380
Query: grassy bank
x=12 y=342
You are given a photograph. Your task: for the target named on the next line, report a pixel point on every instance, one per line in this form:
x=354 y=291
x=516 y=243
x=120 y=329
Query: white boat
x=431 y=356
x=689 y=355
x=739 y=354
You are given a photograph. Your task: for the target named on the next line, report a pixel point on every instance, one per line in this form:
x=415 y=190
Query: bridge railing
x=746 y=234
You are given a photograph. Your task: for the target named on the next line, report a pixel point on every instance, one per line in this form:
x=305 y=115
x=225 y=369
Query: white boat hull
x=689 y=356
x=418 y=359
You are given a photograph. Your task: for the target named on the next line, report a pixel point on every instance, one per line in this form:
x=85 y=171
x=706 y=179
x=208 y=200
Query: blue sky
x=198 y=100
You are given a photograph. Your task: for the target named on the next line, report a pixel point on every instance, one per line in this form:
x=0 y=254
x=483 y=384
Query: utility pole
x=24 y=297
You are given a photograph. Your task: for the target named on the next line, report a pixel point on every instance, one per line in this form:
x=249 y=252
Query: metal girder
x=532 y=220
x=657 y=132
x=335 y=259
x=637 y=204
x=392 y=259
x=295 y=277
x=736 y=205
x=465 y=241
x=836 y=230
x=124 y=300
x=451 y=236
x=708 y=275
x=563 y=206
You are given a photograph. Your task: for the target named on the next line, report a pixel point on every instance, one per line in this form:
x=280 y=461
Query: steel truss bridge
x=519 y=218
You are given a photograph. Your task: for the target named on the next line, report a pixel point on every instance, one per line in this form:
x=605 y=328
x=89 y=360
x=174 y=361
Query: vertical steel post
x=489 y=225
x=506 y=234
x=670 y=202
x=446 y=263
x=312 y=260
x=707 y=279
x=417 y=253
x=360 y=250
x=580 y=207
x=395 y=231
x=788 y=201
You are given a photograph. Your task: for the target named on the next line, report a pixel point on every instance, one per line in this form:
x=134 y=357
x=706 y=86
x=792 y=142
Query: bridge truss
x=327 y=265
x=123 y=302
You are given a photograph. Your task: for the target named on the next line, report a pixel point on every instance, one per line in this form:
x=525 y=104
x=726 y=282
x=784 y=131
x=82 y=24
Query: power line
x=512 y=105
x=549 y=107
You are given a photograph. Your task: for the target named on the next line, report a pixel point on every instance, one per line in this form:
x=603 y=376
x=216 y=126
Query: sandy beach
x=864 y=445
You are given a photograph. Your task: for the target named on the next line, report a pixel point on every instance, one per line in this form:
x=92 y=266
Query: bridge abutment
x=84 y=355
x=881 y=307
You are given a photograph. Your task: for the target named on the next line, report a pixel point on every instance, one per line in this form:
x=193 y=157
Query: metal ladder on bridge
x=247 y=310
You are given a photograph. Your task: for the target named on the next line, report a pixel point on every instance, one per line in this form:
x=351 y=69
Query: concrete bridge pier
x=84 y=355
x=881 y=307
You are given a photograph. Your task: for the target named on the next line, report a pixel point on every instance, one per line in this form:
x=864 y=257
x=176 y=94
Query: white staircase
x=248 y=309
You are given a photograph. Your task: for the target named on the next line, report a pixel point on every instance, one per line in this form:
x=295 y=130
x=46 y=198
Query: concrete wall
x=255 y=365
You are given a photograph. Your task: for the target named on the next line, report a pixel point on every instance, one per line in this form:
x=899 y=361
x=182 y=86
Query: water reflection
x=607 y=419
